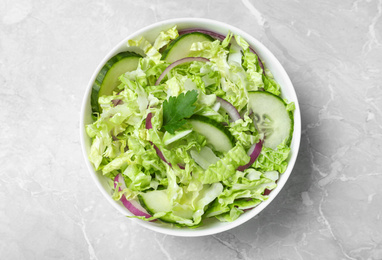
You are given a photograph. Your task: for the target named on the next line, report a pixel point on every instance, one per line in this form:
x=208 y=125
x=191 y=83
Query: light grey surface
x=331 y=206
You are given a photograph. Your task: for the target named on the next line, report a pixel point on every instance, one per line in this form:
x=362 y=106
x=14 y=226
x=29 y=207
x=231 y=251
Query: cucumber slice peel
x=157 y=201
x=190 y=210
x=271 y=117
x=180 y=47
x=107 y=79
x=216 y=134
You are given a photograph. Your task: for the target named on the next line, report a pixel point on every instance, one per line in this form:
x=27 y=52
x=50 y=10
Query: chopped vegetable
x=187 y=132
x=176 y=109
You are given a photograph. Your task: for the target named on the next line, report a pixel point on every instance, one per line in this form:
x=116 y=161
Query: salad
x=189 y=127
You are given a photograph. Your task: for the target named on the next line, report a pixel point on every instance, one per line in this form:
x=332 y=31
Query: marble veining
x=330 y=207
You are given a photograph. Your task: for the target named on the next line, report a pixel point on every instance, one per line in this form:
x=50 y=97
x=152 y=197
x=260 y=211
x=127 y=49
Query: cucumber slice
x=157 y=201
x=216 y=134
x=180 y=47
x=190 y=207
x=271 y=117
x=107 y=79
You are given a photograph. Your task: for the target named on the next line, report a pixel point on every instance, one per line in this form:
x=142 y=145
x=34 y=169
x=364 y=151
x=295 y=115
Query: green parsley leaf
x=176 y=109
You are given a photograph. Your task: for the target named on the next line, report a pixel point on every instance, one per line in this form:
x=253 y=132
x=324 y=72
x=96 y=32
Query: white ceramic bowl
x=150 y=33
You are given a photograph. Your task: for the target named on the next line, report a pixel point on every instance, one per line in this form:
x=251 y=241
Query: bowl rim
x=265 y=52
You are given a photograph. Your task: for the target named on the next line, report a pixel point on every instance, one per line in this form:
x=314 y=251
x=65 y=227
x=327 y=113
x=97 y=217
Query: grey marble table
x=330 y=208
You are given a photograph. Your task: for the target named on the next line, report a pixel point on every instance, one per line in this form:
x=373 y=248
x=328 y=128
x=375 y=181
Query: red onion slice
x=221 y=38
x=117 y=102
x=137 y=210
x=266 y=192
x=149 y=126
x=229 y=108
x=119 y=179
x=176 y=63
x=260 y=62
x=148 y=121
x=160 y=154
x=215 y=35
x=253 y=152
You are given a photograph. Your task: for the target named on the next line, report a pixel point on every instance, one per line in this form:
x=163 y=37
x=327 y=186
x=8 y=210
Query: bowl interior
x=210 y=226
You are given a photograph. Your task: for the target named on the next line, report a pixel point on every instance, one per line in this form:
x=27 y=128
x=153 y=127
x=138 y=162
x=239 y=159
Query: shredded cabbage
x=121 y=143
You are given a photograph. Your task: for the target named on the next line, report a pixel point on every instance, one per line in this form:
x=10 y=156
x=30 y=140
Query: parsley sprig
x=176 y=109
